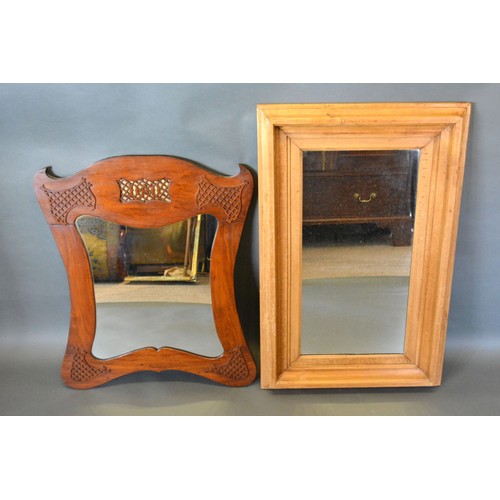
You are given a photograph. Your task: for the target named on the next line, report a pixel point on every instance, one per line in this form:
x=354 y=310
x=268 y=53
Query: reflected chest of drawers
x=361 y=187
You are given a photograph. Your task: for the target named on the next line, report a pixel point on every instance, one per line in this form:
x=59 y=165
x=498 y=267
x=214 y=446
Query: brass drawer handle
x=358 y=197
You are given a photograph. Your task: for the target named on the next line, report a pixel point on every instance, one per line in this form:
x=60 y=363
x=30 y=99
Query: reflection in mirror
x=358 y=215
x=152 y=286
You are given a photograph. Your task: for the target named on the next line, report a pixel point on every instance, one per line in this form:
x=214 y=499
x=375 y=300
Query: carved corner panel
x=236 y=368
x=148 y=191
x=81 y=369
x=228 y=198
x=62 y=201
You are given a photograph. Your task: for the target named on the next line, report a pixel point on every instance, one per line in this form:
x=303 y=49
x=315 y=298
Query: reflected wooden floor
x=361 y=260
x=194 y=293
x=352 y=250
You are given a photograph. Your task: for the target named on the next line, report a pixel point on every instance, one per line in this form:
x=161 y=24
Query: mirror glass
x=357 y=231
x=152 y=286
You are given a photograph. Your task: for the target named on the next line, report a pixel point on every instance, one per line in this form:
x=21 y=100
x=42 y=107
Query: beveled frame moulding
x=148 y=192
x=439 y=131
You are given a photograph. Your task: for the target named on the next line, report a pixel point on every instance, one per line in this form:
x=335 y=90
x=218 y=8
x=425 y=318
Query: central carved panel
x=144 y=190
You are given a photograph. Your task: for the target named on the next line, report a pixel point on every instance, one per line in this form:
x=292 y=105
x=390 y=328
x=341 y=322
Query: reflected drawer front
x=352 y=196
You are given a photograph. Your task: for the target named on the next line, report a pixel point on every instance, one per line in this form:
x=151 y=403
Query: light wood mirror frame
x=439 y=131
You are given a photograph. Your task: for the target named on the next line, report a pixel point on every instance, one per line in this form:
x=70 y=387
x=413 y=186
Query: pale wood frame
x=439 y=131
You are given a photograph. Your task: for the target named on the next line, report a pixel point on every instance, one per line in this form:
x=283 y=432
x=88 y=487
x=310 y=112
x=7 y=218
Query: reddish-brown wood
x=148 y=191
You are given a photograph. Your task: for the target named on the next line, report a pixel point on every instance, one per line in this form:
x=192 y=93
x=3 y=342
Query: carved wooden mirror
x=358 y=214
x=150 y=242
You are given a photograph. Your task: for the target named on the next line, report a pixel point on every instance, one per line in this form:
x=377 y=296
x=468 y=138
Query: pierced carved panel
x=236 y=368
x=144 y=190
x=81 y=370
x=63 y=201
x=228 y=198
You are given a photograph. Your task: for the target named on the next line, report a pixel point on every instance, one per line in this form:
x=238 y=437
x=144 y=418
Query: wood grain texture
x=439 y=131
x=158 y=190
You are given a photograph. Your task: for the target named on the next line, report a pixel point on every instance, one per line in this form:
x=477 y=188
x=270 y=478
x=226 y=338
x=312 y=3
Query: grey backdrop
x=71 y=126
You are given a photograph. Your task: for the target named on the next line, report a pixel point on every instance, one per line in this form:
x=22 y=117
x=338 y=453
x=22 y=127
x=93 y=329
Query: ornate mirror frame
x=439 y=131
x=148 y=192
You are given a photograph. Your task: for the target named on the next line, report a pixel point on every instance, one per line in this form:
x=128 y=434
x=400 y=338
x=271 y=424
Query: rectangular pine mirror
x=149 y=243
x=358 y=213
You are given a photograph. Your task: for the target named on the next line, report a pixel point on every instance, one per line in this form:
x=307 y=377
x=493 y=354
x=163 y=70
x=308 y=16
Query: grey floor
x=359 y=315
x=30 y=384
x=125 y=327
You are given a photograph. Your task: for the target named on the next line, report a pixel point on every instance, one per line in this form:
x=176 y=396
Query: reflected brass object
x=358 y=197
x=185 y=274
x=323 y=160
x=189 y=270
